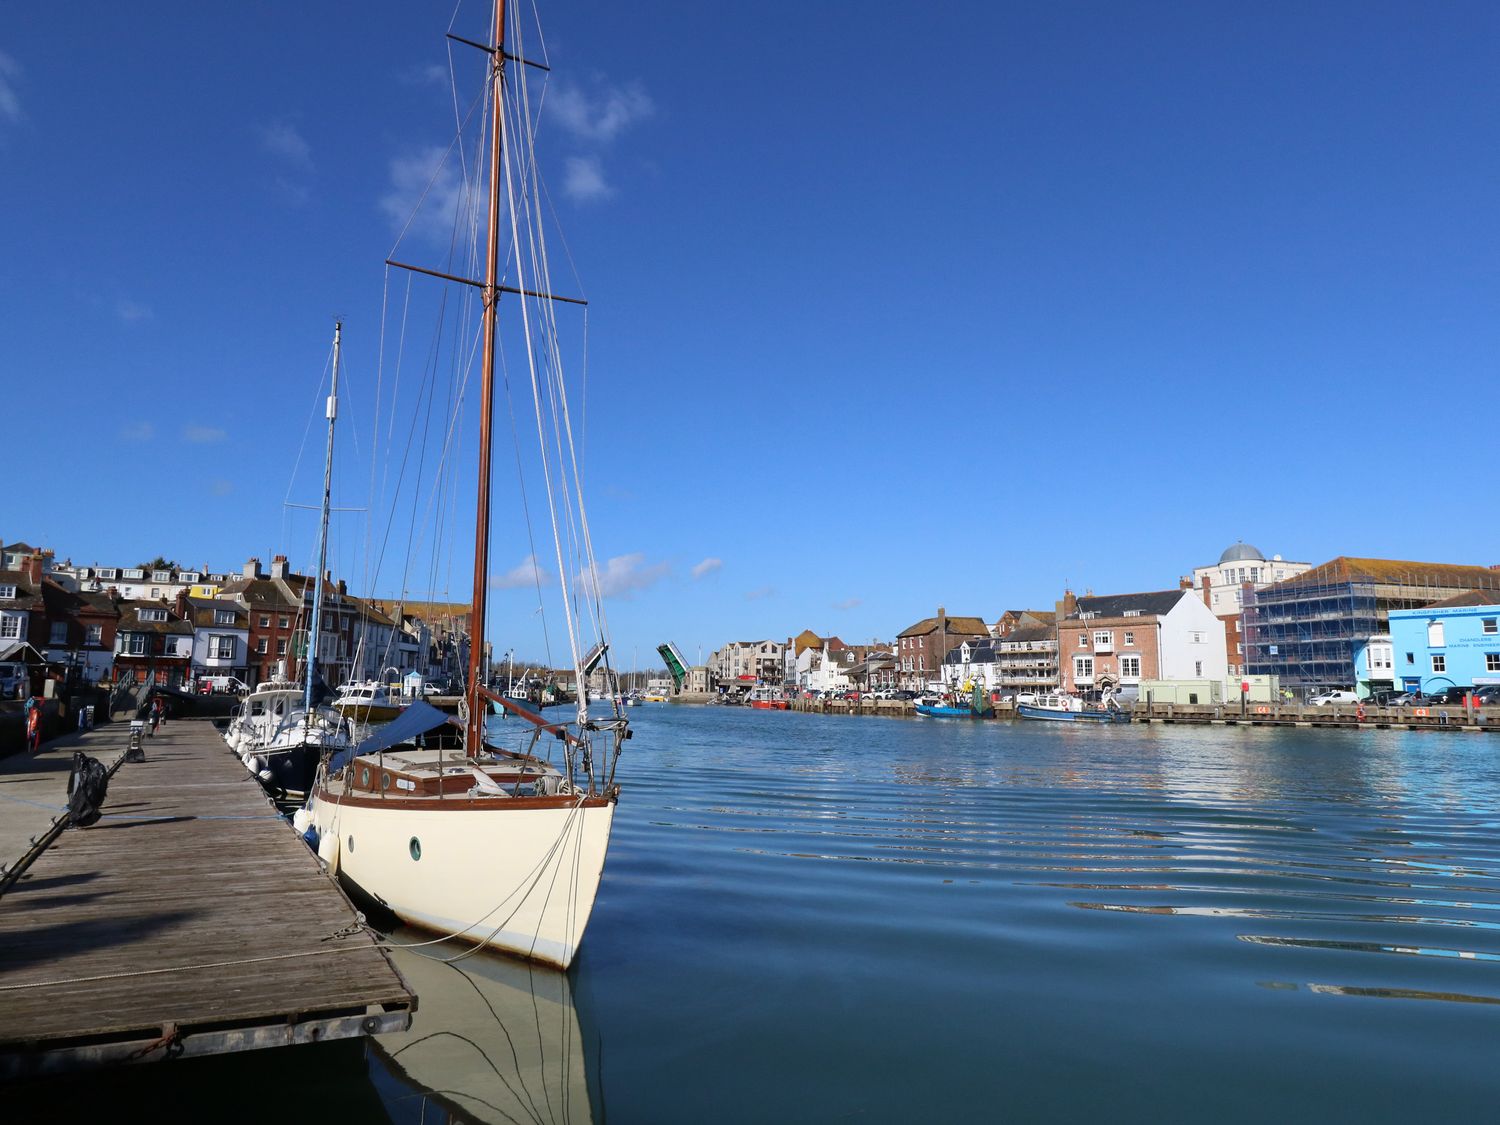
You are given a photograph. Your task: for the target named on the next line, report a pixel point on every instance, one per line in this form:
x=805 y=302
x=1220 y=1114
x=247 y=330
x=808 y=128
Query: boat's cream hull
x=518 y=879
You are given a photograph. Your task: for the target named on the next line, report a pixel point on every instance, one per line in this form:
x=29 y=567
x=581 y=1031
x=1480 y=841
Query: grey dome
x=1241 y=552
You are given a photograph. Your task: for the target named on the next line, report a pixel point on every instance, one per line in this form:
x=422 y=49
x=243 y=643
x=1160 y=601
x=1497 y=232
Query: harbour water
x=820 y=918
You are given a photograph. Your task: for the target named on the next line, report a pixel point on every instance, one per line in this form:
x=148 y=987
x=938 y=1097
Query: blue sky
x=891 y=306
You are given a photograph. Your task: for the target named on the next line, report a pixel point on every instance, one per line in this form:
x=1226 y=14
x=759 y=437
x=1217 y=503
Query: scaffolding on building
x=1307 y=631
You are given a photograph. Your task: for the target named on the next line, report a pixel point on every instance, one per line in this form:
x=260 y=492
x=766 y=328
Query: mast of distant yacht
x=315 y=626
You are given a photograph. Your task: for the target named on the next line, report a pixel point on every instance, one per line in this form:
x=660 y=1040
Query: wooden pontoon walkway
x=189 y=920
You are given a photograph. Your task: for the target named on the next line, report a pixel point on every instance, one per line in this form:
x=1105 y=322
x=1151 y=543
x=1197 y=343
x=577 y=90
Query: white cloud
x=583 y=179
x=131 y=311
x=10 y=78
x=623 y=575
x=707 y=566
x=431 y=179
x=848 y=603
x=759 y=593
x=283 y=141
x=203 y=435
x=602 y=116
x=138 y=431
x=528 y=572
x=220 y=487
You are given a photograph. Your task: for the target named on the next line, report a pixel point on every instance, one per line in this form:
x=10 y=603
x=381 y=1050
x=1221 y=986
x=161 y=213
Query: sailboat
x=501 y=848
x=281 y=733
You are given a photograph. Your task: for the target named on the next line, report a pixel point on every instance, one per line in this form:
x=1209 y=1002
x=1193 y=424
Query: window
x=1196 y=637
x=94 y=635
x=1239 y=649
x=108 y=572
x=1434 y=634
x=221 y=647
x=135 y=644
x=1198 y=668
x=1083 y=640
x=59 y=633
x=1103 y=637
x=1409 y=659
x=1439 y=662
x=1130 y=667
x=223 y=617
x=135 y=572
x=1131 y=613
x=156 y=591
x=281 y=647
x=1492 y=662
x=10 y=627
x=1129 y=638
x=7 y=592
x=283 y=622
x=153 y=615
x=265 y=620
x=1487 y=624
x=161 y=576
x=1083 y=668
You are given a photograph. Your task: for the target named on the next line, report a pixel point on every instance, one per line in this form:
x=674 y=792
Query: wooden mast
x=474 y=735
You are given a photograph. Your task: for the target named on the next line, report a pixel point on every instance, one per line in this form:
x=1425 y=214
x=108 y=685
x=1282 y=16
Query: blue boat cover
x=418 y=718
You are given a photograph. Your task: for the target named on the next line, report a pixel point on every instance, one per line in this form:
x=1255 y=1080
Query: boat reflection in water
x=492 y=1039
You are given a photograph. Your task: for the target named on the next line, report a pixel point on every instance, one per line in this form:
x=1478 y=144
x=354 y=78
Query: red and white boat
x=767 y=699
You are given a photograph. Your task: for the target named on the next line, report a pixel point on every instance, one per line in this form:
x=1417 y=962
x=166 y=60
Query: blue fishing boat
x=1059 y=707
x=977 y=706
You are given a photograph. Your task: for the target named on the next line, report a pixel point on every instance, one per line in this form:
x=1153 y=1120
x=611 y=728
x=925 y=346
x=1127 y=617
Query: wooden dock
x=190 y=920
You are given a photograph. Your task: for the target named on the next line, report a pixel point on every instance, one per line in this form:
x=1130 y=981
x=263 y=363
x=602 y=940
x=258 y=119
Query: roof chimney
x=1068 y=606
x=252 y=568
x=278 y=567
x=32 y=568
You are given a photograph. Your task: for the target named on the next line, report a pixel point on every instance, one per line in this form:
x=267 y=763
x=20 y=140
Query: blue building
x=1451 y=643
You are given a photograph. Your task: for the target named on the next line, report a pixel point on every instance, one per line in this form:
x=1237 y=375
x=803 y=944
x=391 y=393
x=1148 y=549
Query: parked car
x=1336 y=698
x=883 y=693
x=1488 y=695
x=1450 y=697
x=904 y=693
x=15 y=680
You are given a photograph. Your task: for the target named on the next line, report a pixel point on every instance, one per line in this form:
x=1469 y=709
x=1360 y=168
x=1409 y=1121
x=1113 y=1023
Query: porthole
x=364 y=777
x=385 y=781
x=415 y=847
x=351 y=845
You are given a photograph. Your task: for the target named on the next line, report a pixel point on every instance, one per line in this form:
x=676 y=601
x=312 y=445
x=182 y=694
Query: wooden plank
x=190 y=904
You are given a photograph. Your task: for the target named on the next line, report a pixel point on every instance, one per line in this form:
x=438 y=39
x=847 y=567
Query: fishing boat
x=977 y=705
x=496 y=847
x=282 y=732
x=767 y=699
x=1065 y=708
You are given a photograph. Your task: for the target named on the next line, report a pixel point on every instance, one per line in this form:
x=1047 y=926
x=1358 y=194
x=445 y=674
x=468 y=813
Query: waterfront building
x=1307 y=628
x=221 y=636
x=1028 y=654
x=1223 y=588
x=154 y=645
x=975 y=661
x=921 y=647
x=1373 y=665
x=22 y=620
x=1451 y=643
x=81 y=630
x=749 y=662
x=1118 y=640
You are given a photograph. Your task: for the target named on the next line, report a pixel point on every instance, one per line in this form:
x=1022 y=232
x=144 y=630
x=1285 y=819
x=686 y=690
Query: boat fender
x=302 y=821
x=328 y=852
x=252 y=763
x=265 y=775
x=310 y=838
